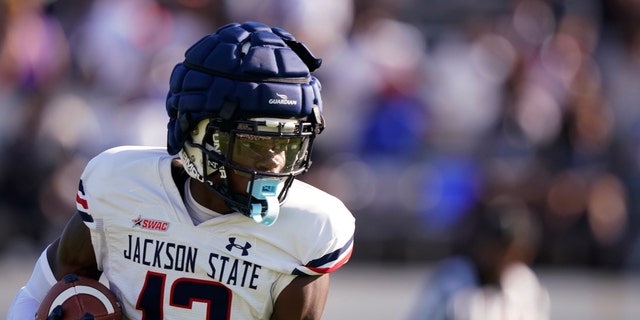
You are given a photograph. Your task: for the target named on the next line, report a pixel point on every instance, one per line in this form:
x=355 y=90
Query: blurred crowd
x=434 y=108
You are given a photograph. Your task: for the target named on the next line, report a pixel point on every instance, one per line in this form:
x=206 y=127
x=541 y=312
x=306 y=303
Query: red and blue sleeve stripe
x=82 y=205
x=327 y=263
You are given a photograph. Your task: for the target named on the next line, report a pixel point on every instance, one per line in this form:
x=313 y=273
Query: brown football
x=80 y=298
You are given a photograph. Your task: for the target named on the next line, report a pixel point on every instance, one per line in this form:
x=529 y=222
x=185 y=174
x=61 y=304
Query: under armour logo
x=232 y=244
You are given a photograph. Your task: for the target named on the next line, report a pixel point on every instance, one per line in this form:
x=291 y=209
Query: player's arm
x=304 y=298
x=71 y=253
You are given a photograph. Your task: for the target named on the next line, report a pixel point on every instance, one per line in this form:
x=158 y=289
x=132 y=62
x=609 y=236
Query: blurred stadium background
x=432 y=107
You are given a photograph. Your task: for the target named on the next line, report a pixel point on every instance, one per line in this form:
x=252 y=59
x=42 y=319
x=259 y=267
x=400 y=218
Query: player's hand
x=56 y=313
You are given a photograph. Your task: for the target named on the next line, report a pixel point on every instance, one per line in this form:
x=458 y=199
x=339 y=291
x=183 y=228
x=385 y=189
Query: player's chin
x=238 y=182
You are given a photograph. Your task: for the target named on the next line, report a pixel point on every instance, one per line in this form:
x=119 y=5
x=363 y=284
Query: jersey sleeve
x=329 y=262
x=324 y=236
x=101 y=185
x=334 y=244
x=95 y=182
x=89 y=189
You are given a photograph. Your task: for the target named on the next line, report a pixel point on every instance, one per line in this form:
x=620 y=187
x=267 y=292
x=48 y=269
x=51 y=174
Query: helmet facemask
x=266 y=153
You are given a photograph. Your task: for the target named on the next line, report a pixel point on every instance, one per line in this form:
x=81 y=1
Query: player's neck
x=207 y=198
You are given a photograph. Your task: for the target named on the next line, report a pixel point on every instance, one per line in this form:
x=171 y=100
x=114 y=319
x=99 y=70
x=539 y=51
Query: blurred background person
x=488 y=275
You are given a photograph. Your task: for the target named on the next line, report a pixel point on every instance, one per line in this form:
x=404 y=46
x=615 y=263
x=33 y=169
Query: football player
x=216 y=225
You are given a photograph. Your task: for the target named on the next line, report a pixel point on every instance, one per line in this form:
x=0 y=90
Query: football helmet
x=244 y=100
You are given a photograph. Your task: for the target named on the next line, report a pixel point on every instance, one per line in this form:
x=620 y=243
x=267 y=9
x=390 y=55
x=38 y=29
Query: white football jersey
x=162 y=266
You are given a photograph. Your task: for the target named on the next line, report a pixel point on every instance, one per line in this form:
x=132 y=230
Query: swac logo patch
x=150 y=224
x=232 y=244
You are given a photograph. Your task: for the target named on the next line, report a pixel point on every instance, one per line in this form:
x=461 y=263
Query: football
x=79 y=298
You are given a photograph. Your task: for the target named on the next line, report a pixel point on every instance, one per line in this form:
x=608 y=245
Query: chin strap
x=266 y=211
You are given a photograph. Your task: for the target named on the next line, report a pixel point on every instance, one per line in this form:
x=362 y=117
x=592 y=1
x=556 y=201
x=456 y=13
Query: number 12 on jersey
x=183 y=293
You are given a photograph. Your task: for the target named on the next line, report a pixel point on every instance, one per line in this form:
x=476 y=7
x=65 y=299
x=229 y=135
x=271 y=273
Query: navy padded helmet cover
x=248 y=65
